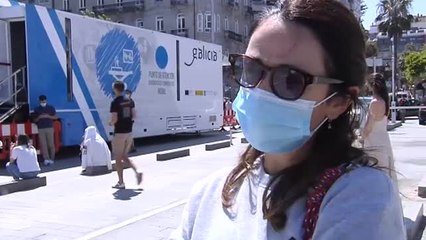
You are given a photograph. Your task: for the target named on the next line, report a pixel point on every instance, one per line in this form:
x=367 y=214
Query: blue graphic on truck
x=118 y=58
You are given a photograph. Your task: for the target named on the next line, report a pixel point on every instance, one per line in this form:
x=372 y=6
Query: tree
x=95 y=15
x=415 y=66
x=393 y=18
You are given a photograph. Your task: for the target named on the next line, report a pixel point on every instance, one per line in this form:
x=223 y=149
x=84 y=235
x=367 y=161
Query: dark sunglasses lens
x=247 y=71
x=288 y=83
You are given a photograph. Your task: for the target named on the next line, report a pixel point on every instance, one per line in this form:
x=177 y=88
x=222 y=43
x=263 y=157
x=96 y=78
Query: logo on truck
x=118 y=58
x=202 y=54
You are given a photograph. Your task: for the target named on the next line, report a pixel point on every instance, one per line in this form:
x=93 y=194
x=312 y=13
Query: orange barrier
x=57 y=135
x=229 y=118
x=8 y=133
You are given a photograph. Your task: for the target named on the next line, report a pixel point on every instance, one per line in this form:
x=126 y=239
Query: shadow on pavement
x=69 y=157
x=126 y=194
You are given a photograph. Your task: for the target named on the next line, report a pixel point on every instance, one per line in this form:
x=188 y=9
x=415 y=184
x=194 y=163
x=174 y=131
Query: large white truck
x=74 y=60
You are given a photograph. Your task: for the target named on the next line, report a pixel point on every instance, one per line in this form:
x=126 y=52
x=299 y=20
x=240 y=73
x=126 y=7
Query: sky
x=418 y=6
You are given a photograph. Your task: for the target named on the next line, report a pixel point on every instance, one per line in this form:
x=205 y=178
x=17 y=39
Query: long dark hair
x=377 y=84
x=340 y=35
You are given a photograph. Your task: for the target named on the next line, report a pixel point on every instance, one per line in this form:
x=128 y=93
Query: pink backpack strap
x=313 y=202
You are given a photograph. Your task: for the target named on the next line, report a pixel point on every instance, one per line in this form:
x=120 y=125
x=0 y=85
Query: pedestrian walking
x=129 y=96
x=122 y=118
x=23 y=162
x=44 y=117
x=300 y=177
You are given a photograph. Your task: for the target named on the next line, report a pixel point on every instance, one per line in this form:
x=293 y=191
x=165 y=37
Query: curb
x=22 y=185
x=219 y=145
x=421 y=188
x=392 y=126
x=173 y=154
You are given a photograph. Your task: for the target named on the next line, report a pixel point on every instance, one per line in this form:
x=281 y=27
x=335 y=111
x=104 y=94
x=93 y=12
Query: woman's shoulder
x=364 y=197
x=210 y=184
x=366 y=180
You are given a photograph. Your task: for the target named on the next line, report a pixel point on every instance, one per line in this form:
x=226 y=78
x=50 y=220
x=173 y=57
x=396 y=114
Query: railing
x=234 y=36
x=180 y=32
x=17 y=88
x=123 y=6
x=178 y=2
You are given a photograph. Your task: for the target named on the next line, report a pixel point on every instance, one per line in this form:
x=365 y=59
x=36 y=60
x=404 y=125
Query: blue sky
x=418 y=6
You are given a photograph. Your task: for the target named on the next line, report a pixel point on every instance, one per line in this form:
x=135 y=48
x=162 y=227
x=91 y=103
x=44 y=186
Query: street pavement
x=80 y=207
x=72 y=206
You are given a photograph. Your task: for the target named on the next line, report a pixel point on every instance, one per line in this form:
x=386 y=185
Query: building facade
x=223 y=22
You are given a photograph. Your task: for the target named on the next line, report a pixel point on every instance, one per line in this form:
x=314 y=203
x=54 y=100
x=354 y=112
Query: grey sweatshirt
x=362 y=204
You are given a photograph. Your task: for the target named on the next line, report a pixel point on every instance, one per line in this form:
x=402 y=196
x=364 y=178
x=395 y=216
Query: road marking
x=111 y=228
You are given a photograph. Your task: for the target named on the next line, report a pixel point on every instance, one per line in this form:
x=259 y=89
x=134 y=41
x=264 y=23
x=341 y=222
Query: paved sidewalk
x=72 y=206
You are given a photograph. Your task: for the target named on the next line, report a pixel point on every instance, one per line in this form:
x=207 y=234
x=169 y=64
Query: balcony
x=180 y=32
x=122 y=7
x=178 y=2
x=233 y=3
x=234 y=36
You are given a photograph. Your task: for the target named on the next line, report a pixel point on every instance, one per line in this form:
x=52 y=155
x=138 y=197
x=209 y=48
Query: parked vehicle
x=361 y=111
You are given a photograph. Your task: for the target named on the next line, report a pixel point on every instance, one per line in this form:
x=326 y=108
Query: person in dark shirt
x=122 y=115
x=44 y=116
x=129 y=96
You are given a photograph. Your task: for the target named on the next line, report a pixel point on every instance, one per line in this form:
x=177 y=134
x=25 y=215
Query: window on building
x=208 y=21
x=139 y=23
x=200 y=22
x=246 y=31
x=82 y=4
x=159 y=23
x=246 y=2
x=119 y=2
x=180 y=22
x=100 y=2
x=66 y=5
x=226 y=23
x=236 y=27
x=217 y=23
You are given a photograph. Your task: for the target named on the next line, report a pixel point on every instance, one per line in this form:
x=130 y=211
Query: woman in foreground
x=300 y=178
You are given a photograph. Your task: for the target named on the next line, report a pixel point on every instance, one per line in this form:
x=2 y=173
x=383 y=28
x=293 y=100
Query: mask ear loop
x=326 y=119
x=325 y=99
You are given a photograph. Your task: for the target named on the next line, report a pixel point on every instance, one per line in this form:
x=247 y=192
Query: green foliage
x=95 y=15
x=394 y=17
x=415 y=66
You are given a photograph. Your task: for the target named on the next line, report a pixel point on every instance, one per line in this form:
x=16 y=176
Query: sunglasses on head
x=286 y=82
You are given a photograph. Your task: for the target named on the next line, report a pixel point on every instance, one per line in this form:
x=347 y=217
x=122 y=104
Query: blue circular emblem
x=161 y=57
x=118 y=58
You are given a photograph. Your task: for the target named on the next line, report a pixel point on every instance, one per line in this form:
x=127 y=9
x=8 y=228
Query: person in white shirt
x=95 y=151
x=23 y=160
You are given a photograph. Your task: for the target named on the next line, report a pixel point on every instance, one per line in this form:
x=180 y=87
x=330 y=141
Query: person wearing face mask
x=300 y=177
x=44 y=116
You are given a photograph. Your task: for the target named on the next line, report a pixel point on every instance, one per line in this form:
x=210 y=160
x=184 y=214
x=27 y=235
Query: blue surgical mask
x=43 y=104
x=274 y=125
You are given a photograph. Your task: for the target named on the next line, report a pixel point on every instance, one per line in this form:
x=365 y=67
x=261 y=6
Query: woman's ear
x=339 y=104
